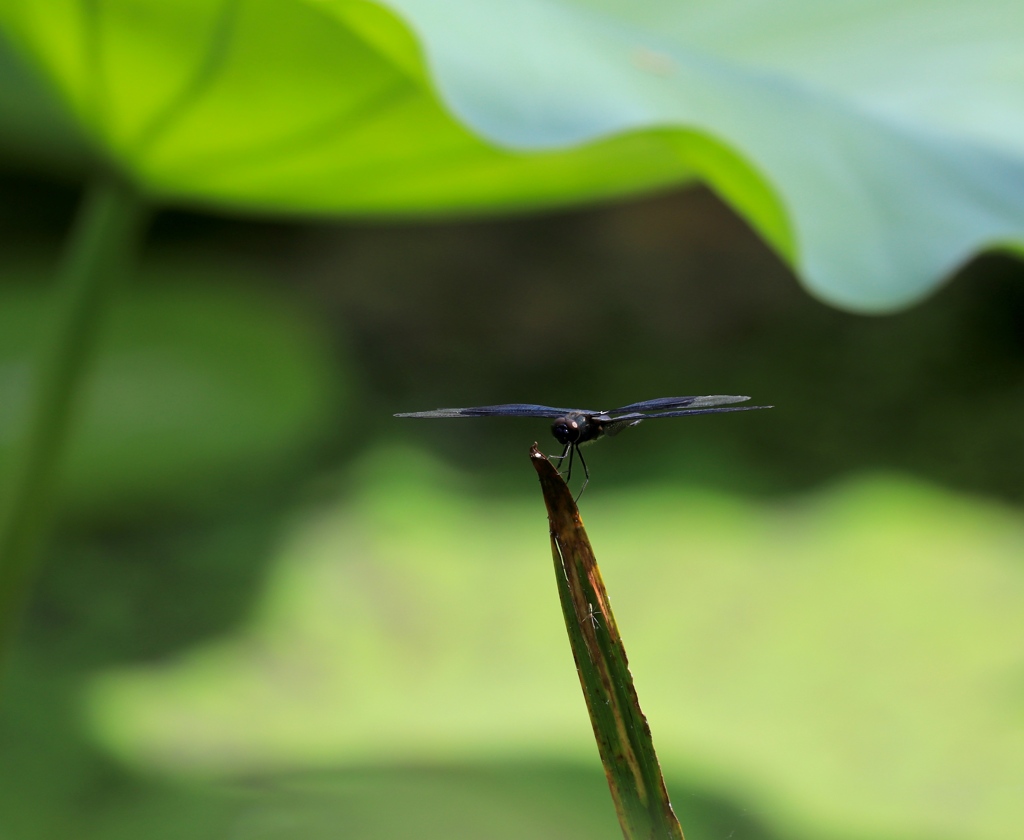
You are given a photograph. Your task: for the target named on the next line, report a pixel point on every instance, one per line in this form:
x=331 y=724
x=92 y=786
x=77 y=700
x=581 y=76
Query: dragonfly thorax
x=576 y=428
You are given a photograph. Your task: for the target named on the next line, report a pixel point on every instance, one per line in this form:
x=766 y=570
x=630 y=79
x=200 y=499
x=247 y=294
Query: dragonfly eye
x=565 y=431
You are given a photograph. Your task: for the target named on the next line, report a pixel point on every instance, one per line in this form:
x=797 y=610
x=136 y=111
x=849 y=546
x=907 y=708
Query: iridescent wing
x=508 y=410
x=616 y=424
x=672 y=403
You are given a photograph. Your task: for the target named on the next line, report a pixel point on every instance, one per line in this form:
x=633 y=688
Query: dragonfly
x=572 y=427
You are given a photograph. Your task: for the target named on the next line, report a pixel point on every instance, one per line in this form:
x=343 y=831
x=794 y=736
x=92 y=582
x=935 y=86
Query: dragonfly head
x=573 y=428
x=566 y=430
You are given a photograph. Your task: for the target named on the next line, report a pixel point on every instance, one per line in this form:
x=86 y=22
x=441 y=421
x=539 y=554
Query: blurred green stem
x=106 y=229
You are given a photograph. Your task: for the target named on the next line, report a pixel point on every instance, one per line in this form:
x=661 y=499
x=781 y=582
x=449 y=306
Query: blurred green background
x=271 y=610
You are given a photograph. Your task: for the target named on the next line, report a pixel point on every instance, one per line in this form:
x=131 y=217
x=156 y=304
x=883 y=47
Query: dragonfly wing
x=508 y=410
x=671 y=403
x=612 y=427
x=699 y=411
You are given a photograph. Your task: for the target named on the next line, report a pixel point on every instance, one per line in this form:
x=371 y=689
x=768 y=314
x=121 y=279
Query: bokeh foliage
x=837 y=660
x=194 y=377
x=843 y=663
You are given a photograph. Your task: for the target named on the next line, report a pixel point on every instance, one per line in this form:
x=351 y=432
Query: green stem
x=102 y=240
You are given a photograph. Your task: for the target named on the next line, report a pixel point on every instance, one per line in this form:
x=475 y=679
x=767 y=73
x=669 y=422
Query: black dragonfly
x=575 y=426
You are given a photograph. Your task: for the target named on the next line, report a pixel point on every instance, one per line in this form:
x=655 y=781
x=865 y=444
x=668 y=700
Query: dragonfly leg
x=586 y=473
x=561 y=457
x=571 y=449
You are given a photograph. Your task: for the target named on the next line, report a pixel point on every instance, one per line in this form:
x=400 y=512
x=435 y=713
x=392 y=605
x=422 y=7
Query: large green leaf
x=875 y=145
x=283 y=105
x=848 y=665
x=890 y=133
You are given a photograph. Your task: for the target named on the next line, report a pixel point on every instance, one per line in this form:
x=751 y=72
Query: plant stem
x=102 y=240
x=624 y=739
